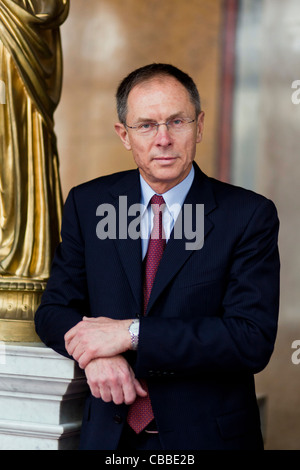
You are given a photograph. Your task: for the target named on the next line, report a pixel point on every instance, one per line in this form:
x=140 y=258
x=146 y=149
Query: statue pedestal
x=41 y=398
x=19 y=300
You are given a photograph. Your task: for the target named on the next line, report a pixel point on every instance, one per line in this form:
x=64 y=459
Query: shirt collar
x=174 y=197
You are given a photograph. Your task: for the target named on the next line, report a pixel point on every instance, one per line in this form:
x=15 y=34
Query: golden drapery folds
x=30 y=193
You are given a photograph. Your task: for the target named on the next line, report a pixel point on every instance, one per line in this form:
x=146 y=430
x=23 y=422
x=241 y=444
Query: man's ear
x=200 y=126
x=123 y=134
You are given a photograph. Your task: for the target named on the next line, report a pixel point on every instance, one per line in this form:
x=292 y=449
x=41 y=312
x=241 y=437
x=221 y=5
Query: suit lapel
x=126 y=194
x=176 y=252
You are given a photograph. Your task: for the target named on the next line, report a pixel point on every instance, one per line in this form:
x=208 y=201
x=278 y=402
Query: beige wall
x=103 y=40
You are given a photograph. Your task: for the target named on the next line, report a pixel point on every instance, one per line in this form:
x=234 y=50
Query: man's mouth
x=165 y=158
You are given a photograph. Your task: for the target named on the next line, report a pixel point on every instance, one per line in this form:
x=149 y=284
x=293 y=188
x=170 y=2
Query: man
x=169 y=359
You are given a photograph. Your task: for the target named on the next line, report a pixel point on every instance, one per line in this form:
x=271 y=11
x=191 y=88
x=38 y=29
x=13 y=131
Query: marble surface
x=41 y=398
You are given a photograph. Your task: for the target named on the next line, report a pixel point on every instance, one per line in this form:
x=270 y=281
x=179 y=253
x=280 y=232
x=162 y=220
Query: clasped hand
x=97 y=345
x=97 y=337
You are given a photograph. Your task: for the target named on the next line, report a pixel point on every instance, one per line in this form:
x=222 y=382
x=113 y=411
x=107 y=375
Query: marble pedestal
x=41 y=398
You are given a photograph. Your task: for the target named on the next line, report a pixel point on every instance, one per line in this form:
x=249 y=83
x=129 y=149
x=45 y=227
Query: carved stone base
x=19 y=300
x=42 y=395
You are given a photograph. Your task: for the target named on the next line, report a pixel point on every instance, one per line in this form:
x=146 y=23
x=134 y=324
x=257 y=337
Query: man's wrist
x=134 y=329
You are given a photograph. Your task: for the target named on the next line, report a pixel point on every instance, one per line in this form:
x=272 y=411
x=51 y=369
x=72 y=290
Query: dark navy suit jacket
x=211 y=321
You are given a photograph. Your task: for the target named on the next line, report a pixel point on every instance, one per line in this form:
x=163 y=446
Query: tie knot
x=156 y=203
x=157 y=200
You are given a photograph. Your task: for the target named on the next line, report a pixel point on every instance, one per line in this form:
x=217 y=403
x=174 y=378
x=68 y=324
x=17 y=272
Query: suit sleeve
x=241 y=336
x=65 y=299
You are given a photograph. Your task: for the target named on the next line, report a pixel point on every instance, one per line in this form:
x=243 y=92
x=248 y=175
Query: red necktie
x=140 y=413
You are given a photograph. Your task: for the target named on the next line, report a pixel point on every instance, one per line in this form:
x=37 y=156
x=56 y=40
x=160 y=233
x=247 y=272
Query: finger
x=105 y=393
x=94 y=388
x=71 y=333
x=79 y=351
x=94 y=319
x=70 y=346
x=112 y=388
x=129 y=392
x=83 y=359
x=95 y=391
x=121 y=386
x=132 y=387
x=74 y=348
x=100 y=320
x=78 y=345
x=117 y=394
x=139 y=389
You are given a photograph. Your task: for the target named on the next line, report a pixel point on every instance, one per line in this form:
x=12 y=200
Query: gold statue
x=30 y=193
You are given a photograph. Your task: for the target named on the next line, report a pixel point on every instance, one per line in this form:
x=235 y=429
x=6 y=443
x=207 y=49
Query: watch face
x=134 y=328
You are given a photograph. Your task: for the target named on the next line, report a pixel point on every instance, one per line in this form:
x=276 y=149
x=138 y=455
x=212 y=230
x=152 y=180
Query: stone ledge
x=15 y=435
x=42 y=395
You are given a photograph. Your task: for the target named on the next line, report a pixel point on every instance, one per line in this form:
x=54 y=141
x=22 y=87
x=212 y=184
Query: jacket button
x=118 y=419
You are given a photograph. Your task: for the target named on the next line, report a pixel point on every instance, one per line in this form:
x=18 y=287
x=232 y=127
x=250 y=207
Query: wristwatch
x=134 y=329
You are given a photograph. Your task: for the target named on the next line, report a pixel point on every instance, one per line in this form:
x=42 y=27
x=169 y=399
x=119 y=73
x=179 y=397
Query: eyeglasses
x=174 y=126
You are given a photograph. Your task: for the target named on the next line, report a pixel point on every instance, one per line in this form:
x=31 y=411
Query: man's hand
x=112 y=379
x=97 y=337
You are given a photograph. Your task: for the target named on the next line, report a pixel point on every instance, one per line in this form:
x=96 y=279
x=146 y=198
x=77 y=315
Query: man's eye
x=146 y=126
x=177 y=122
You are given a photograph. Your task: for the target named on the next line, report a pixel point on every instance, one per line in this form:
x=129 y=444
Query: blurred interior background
x=244 y=57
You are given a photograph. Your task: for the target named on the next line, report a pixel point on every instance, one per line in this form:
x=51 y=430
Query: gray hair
x=148 y=72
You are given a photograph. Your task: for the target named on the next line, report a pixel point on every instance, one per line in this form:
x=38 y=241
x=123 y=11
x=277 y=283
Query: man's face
x=164 y=159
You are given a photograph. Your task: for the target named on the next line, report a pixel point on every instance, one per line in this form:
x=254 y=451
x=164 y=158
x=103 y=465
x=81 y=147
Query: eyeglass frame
x=157 y=124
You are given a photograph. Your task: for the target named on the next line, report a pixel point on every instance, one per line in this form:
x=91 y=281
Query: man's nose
x=163 y=137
